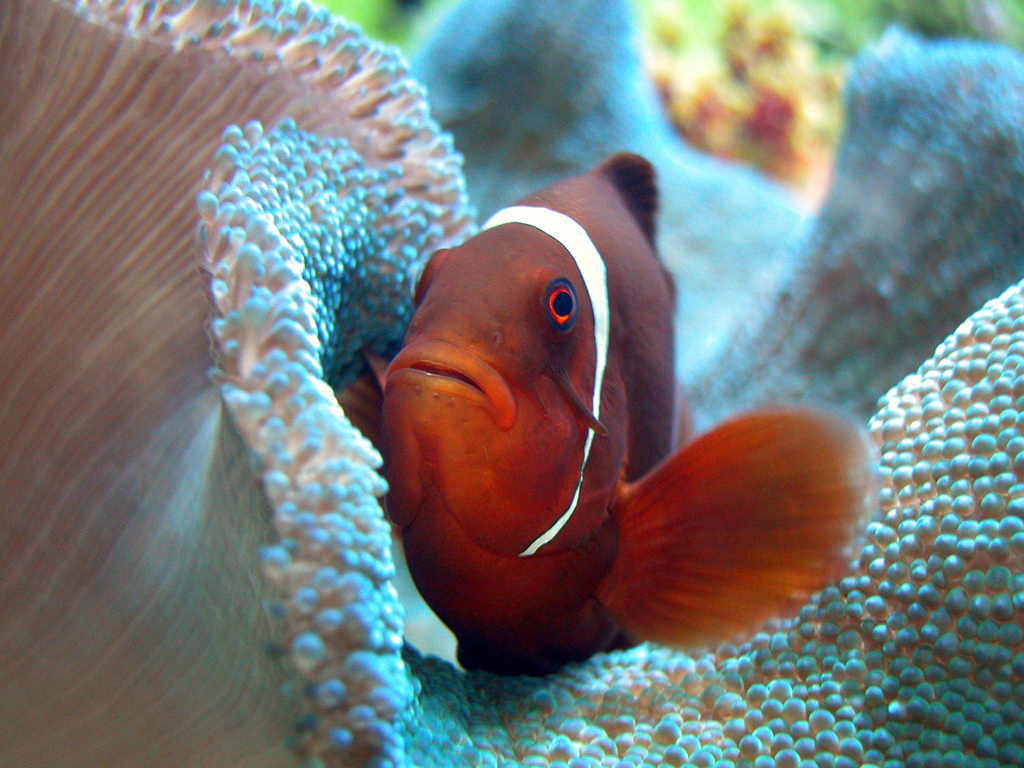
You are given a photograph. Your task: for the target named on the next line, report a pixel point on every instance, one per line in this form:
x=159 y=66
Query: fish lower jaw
x=436 y=384
x=428 y=380
x=437 y=369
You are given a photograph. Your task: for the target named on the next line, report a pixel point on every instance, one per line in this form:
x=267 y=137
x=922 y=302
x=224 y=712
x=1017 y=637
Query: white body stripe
x=574 y=238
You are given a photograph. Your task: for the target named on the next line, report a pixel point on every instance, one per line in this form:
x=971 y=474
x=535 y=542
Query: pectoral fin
x=362 y=399
x=378 y=364
x=737 y=527
x=580 y=408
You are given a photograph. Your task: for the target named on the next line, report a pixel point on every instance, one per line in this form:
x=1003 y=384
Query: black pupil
x=562 y=303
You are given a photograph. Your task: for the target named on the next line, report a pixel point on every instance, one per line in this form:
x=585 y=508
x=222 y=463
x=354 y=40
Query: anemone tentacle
x=287 y=217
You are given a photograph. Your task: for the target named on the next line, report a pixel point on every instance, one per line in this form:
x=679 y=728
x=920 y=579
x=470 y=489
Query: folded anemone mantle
x=167 y=397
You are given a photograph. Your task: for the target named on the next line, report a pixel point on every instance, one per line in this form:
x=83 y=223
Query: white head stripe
x=577 y=242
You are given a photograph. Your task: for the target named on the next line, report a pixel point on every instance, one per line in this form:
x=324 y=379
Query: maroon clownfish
x=527 y=426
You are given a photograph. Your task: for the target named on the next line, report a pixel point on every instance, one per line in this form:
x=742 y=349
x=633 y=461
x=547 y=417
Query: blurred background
x=755 y=81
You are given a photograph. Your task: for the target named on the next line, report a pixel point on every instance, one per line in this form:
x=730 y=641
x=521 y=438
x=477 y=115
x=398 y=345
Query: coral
x=136 y=627
x=536 y=90
x=924 y=222
x=762 y=94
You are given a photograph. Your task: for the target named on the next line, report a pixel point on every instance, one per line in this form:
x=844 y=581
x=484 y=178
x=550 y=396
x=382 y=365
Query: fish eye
x=562 y=304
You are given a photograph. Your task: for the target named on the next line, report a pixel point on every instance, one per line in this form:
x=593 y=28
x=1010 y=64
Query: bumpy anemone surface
x=355 y=233
x=273 y=305
x=312 y=244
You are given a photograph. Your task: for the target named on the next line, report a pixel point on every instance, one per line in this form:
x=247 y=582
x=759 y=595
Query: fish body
x=527 y=429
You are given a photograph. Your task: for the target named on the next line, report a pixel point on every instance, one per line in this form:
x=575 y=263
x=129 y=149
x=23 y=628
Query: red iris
x=562 y=304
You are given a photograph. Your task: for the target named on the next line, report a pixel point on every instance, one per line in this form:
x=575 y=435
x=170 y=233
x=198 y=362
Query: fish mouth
x=450 y=367
x=437 y=369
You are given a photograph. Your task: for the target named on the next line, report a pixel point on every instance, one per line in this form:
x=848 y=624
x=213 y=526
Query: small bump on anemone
x=915 y=658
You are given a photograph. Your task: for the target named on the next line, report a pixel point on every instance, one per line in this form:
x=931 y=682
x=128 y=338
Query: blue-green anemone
x=311 y=255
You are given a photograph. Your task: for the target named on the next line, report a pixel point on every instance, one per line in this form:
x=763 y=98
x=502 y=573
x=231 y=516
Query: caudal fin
x=738 y=527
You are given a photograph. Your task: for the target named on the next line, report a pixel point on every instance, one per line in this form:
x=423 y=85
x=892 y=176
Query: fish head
x=487 y=407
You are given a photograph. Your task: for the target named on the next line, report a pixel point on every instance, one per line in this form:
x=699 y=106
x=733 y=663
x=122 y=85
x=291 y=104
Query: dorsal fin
x=634 y=179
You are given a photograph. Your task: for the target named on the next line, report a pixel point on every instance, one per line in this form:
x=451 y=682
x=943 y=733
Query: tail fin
x=738 y=526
